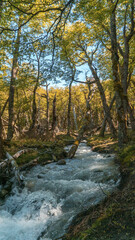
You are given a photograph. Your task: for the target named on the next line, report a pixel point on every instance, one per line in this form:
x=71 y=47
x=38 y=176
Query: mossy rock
x=3 y=193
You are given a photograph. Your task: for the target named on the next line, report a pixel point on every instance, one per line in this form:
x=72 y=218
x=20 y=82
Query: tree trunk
x=102 y=131
x=124 y=80
x=75 y=118
x=103 y=98
x=2 y=152
x=34 y=109
x=69 y=109
x=47 y=109
x=12 y=86
x=54 y=115
x=34 y=105
x=122 y=130
x=82 y=130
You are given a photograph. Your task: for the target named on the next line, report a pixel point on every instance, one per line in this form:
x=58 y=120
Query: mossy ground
x=43 y=150
x=114 y=218
x=103 y=144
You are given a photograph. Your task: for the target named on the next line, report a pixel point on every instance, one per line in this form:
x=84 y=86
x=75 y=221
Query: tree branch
x=132 y=31
x=61 y=10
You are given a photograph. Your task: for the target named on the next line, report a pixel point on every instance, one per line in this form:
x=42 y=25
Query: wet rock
x=3 y=193
x=97 y=170
x=61 y=162
x=39 y=176
x=30 y=185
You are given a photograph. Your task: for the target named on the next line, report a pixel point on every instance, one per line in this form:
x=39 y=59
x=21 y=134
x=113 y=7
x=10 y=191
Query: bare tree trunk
x=124 y=80
x=75 y=145
x=88 y=106
x=47 y=109
x=103 y=98
x=12 y=86
x=75 y=118
x=34 y=105
x=2 y=152
x=102 y=131
x=122 y=130
x=69 y=109
x=82 y=130
x=34 y=108
x=54 y=115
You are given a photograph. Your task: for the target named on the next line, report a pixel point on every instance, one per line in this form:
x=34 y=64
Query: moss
x=27 y=157
x=102 y=144
x=127 y=155
x=64 y=139
x=45 y=157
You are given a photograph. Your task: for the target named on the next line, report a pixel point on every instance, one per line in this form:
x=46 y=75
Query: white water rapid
x=54 y=194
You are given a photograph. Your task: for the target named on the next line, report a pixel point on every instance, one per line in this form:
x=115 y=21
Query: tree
x=115 y=34
x=80 y=43
x=14 y=72
x=2 y=152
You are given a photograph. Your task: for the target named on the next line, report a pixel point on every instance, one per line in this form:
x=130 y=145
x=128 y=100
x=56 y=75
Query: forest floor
x=44 y=151
x=114 y=218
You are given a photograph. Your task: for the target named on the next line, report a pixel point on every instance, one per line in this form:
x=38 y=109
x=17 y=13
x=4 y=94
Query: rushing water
x=54 y=194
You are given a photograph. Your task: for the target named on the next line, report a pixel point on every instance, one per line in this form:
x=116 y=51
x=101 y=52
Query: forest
x=67 y=74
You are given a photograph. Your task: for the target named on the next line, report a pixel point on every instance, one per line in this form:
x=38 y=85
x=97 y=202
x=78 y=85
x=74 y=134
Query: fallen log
x=19 y=153
x=75 y=145
x=29 y=164
x=33 y=163
x=15 y=168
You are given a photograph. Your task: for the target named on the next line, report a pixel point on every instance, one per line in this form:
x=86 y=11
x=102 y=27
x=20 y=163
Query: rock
x=3 y=193
x=30 y=184
x=61 y=162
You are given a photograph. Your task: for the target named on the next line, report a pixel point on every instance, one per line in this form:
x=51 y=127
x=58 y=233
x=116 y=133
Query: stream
x=54 y=194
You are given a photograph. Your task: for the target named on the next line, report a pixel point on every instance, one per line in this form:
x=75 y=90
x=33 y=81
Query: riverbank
x=114 y=218
x=31 y=152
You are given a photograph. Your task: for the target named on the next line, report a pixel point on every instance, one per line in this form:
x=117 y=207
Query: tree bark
x=102 y=131
x=12 y=86
x=124 y=80
x=122 y=130
x=47 y=109
x=54 y=115
x=69 y=109
x=103 y=98
x=75 y=118
x=82 y=130
x=34 y=105
x=2 y=152
x=75 y=145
